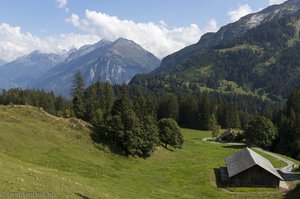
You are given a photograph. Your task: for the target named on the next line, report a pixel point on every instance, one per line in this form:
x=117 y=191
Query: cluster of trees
x=128 y=124
x=197 y=111
x=48 y=101
x=282 y=133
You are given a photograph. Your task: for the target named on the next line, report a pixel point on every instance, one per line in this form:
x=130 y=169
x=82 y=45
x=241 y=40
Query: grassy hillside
x=39 y=152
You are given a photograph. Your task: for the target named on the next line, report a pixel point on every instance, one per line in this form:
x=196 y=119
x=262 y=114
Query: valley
x=43 y=153
x=106 y=100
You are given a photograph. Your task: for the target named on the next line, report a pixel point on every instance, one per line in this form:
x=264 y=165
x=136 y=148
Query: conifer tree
x=78 y=97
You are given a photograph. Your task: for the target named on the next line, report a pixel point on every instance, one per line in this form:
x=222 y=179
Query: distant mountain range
x=115 y=62
x=23 y=71
x=257 y=55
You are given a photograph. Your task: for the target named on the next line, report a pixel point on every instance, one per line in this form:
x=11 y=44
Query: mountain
x=115 y=62
x=257 y=55
x=230 y=31
x=23 y=71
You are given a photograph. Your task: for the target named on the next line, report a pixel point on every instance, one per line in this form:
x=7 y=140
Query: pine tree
x=78 y=85
x=213 y=125
x=79 y=106
x=108 y=99
x=78 y=97
x=97 y=118
x=91 y=102
x=169 y=107
x=205 y=109
x=134 y=134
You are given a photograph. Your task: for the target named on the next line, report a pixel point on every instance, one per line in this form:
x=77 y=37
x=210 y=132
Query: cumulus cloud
x=61 y=3
x=241 y=11
x=15 y=43
x=74 y=20
x=271 y=2
x=158 y=38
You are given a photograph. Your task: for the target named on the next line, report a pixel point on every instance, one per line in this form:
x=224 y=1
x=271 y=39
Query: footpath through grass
x=42 y=153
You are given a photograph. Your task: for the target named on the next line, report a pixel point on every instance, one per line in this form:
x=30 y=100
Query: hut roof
x=225 y=134
x=245 y=159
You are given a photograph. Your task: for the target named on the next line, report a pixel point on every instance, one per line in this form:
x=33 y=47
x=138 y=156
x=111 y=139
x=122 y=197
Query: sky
x=160 y=26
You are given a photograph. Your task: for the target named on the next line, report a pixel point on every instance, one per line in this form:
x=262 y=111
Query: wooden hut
x=246 y=168
x=227 y=136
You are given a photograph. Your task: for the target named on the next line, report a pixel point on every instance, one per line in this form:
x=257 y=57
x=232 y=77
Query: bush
x=169 y=133
x=261 y=132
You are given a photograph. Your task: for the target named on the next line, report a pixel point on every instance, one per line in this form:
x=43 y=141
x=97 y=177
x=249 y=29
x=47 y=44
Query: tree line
x=134 y=120
x=58 y=106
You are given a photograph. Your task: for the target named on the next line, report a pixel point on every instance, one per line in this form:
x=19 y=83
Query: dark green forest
x=133 y=120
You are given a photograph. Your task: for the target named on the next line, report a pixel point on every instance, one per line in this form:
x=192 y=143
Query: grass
x=42 y=153
x=242 y=47
x=274 y=161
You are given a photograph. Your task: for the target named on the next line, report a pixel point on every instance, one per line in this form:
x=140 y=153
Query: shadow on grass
x=295 y=193
x=296 y=170
x=167 y=148
x=233 y=146
x=103 y=142
x=219 y=182
x=289 y=176
x=82 y=196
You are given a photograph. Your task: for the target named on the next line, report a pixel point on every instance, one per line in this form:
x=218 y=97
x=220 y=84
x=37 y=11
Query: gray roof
x=225 y=134
x=245 y=159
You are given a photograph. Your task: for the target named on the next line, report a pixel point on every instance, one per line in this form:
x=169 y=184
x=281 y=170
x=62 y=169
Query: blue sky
x=160 y=26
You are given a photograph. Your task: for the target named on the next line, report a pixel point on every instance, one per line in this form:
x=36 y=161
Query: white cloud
x=61 y=3
x=74 y=20
x=14 y=43
x=158 y=38
x=271 y=2
x=241 y=11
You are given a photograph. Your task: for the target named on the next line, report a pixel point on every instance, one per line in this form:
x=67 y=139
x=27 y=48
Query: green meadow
x=43 y=153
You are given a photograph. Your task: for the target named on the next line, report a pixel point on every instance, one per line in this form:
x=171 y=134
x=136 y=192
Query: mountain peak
x=271 y=12
x=22 y=71
x=101 y=43
x=115 y=62
x=123 y=41
x=126 y=44
x=35 y=52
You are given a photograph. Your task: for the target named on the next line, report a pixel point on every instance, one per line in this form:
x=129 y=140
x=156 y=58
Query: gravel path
x=286 y=171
